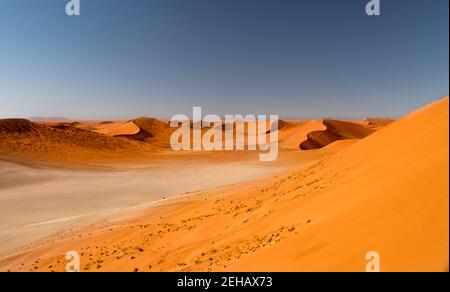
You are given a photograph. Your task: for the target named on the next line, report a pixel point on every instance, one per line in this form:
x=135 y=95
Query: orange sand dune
x=392 y=197
x=152 y=130
x=387 y=193
x=317 y=134
x=117 y=128
x=26 y=140
x=85 y=125
x=292 y=137
x=335 y=130
x=116 y=141
x=149 y=128
x=281 y=125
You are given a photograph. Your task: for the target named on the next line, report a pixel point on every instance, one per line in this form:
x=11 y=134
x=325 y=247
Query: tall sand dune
x=390 y=195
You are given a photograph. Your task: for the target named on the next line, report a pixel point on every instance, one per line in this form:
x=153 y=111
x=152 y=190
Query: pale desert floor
x=39 y=201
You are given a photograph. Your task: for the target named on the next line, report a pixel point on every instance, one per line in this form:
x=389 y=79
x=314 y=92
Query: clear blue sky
x=299 y=58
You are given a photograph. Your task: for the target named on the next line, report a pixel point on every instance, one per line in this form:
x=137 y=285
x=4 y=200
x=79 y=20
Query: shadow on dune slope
x=335 y=130
x=149 y=128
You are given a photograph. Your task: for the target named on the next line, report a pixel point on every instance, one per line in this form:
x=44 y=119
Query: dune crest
x=292 y=137
x=317 y=134
x=148 y=128
x=334 y=131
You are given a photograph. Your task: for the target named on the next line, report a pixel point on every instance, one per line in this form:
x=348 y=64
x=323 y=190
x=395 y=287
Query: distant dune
x=388 y=193
x=377 y=123
x=63 y=142
x=66 y=125
x=106 y=122
x=316 y=134
x=292 y=138
x=148 y=128
x=282 y=125
x=152 y=131
x=335 y=130
x=20 y=126
x=100 y=141
x=117 y=128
